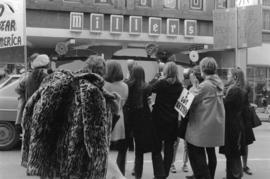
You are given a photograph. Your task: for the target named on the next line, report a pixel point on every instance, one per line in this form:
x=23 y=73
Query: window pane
x=221 y=4
x=266 y=2
x=71 y=0
x=171 y=4
x=144 y=3
x=103 y=1
x=266 y=19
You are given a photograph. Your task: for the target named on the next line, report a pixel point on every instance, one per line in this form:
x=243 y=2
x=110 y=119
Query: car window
x=9 y=90
x=11 y=80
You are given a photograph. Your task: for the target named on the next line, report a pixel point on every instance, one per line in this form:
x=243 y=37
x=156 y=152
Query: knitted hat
x=40 y=61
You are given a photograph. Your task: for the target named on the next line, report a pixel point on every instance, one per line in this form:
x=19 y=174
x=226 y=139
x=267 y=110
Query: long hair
x=171 y=73
x=238 y=79
x=113 y=71
x=138 y=76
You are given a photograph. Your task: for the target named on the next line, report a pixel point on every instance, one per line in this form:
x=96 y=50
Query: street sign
x=249 y=26
x=224 y=28
x=154 y=26
x=184 y=102
x=135 y=25
x=172 y=27
x=117 y=24
x=97 y=21
x=12 y=31
x=190 y=28
x=76 y=22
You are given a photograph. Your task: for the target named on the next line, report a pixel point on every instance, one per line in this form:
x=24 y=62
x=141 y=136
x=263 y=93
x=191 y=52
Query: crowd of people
x=69 y=119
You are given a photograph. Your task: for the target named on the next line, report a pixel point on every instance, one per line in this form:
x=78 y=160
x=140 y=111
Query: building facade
x=106 y=26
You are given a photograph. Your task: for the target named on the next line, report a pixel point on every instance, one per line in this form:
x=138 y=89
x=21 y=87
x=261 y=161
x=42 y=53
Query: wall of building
x=127 y=7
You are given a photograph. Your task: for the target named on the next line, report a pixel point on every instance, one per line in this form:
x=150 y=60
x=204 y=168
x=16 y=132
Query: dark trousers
x=198 y=161
x=162 y=166
x=234 y=167
x=138 y=163
x=122 y=155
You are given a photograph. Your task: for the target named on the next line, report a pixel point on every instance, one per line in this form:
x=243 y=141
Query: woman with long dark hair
x=139 y=116
x=114 y=83
x=165 y=118
x=234 y=124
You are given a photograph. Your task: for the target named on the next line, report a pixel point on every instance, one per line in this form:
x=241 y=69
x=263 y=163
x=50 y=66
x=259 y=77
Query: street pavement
x=259 y=161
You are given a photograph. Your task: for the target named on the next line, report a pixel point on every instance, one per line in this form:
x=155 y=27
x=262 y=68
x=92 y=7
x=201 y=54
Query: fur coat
x=67 y=127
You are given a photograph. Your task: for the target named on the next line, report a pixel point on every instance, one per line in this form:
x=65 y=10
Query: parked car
x=8 y=111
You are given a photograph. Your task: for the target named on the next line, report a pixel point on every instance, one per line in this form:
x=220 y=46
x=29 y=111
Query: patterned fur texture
x=67 y=127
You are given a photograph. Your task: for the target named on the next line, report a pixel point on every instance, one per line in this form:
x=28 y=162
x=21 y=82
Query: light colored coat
x=206 y=125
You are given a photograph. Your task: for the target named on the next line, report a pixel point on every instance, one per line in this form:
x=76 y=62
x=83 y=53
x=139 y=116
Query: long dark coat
x=234 y=127
x=140 y=119
x=164 y=115
x=247 y=120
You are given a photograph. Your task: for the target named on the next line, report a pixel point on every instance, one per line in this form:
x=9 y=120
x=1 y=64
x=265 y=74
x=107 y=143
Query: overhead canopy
x=133 y=53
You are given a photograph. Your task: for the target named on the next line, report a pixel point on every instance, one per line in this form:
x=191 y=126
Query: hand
x=116 y=96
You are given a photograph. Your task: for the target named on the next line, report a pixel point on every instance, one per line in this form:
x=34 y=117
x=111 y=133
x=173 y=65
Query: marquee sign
x=172 y=27
x=117 y=24
x=154 y=26
x=97 y=23
x=190 y=28
x=76 y=21
x=135 y=25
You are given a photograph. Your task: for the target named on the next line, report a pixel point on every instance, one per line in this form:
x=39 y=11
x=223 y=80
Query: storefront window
x=266 y=2
x=170 y=4
x=144 y=3
x=259 y=80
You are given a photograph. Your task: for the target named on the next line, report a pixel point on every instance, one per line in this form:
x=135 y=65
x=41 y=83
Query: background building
x=106 y=26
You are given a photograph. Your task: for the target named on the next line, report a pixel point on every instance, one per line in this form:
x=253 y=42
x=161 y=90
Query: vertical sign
x=12 y=31
x=116 y=24
x=172 y=27
x=196 y=4
x=135 y=25
x=76 y=21
x=249 y=26
x=190 y=28
x=97 y=23
x=154 y=26
x=224 y=28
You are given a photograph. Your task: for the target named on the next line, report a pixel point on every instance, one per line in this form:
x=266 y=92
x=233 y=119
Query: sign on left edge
x=12 y=31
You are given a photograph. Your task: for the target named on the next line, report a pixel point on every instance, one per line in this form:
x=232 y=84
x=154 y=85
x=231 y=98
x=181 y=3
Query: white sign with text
x=12 y=23
x=184 y=102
